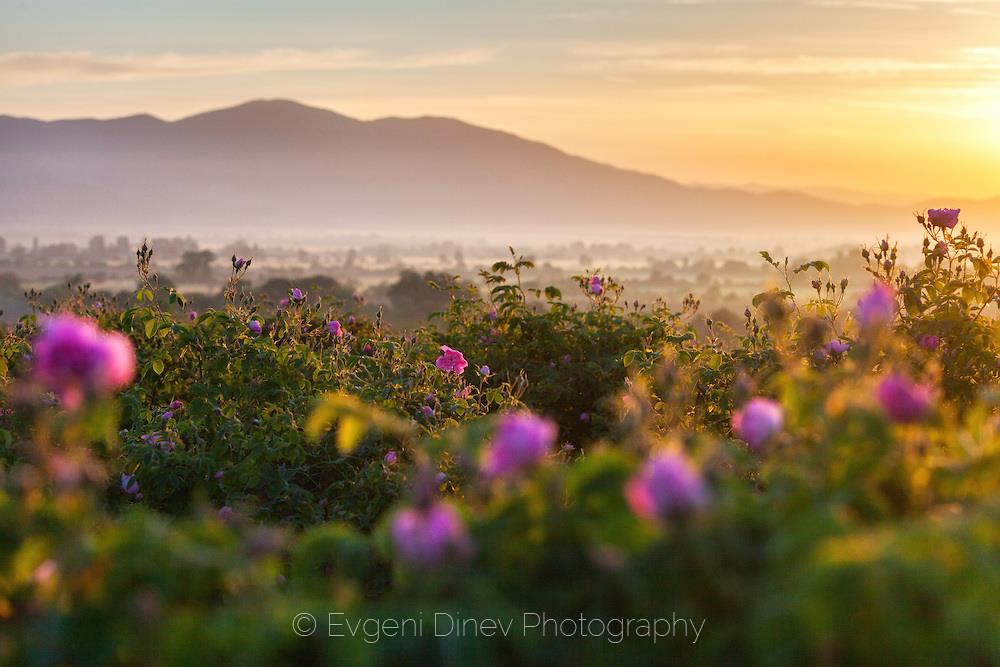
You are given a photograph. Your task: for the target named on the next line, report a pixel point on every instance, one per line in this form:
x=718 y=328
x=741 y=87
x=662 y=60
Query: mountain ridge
x=262 y=161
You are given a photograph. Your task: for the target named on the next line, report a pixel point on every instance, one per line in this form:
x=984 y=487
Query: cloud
x=732 y=61
x=33 y=68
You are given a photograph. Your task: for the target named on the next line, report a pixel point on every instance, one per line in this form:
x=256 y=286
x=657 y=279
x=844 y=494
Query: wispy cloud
x=33 y=68
x=730 y=60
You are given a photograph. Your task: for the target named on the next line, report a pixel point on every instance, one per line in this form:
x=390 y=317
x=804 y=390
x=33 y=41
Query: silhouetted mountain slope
x=268 y=163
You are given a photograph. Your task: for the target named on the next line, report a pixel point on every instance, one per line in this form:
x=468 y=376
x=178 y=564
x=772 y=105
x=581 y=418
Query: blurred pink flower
x=391 y=457
x=837 y=347
x=943 y=217
x=758 y=421
x=930 y=342
x=451 y=361
x=255 y=327
x=667 y=484
x=45 y=572
x=118 y=367
x=429 y=537
x=225 y=513
x=877 y=307
x=596 y=285
x=335 y=329
x=941 y=249
x=74 y=358
x=903 y=400
x=521 y=440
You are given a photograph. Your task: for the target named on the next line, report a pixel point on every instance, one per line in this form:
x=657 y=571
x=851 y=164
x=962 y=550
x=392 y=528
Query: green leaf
x=158 y=366
x=818 y=264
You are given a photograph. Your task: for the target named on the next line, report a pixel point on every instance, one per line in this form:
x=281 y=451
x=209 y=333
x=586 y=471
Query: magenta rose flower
x=666 y=485
x=930 y=342
x=943 y=217
x=941 y=249
x=335 y=329
x=877 y=307
x=74 y=359
x=391 y=457
x=596 y=285
x=255 y=327
x=297 y=295
x=521 y=440
x=837 y=347
x=903 y=400
x=429 y=537
x=451 y=361
x=758 y=421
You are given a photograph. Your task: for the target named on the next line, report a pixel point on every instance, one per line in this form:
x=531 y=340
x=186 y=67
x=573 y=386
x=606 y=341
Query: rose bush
x=835 y=503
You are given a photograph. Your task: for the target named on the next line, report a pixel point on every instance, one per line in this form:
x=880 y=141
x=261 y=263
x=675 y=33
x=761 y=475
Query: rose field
x=526 y=478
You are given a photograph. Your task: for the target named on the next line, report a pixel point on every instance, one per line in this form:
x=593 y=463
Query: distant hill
x=270 y=165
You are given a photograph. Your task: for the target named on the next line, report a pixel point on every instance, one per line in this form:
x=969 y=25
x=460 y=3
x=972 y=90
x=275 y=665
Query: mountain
x=269 y=166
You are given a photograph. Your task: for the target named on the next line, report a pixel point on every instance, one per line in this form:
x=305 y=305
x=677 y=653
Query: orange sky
x=894 y=97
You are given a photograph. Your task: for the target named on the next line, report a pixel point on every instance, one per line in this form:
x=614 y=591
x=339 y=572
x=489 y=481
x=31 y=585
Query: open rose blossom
x=451 y=361
x=903 y=400
x=429 y=537
x=943 y=217
x=666 y=485
x=877 y=307
x=758 y=421
x=521 y=440
x=74 y=359
x=335 y=329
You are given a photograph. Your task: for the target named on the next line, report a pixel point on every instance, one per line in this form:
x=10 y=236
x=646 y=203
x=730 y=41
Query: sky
x=859 y=99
